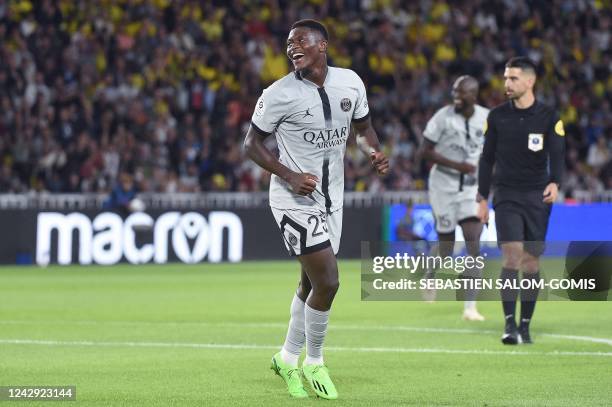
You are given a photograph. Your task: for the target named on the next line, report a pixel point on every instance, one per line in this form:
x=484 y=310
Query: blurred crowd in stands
x=164 y=90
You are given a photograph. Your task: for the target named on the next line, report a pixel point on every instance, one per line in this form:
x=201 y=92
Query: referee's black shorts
x=522 y=216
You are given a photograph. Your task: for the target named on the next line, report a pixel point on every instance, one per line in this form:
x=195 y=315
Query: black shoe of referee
x=524 y=336
x=511 y=335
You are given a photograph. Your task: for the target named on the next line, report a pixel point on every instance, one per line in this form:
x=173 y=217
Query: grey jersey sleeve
x=435 y=127
x=361 y=105
x=269 y=111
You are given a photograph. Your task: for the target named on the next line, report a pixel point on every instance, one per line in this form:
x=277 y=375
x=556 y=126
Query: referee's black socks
x=509 y=294
x=529 y=297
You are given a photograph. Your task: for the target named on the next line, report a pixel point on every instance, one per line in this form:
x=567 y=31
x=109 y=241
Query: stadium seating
x=165 y=89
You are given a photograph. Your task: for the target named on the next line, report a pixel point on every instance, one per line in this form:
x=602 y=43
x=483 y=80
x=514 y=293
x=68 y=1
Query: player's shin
x=470 y=313
x=473 y=274
x=316 y=329
x=296 y=333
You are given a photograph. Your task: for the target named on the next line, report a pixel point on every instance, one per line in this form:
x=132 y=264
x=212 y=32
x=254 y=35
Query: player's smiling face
x=305 y=47
x=463 y=95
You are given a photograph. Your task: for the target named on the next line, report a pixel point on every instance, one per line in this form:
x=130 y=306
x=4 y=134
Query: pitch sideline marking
x=397 y=328
x=272 y=347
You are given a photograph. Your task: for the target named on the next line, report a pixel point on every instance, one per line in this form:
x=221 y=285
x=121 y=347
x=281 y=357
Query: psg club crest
x=536 y=141
x=292 y=239
x=345 y=104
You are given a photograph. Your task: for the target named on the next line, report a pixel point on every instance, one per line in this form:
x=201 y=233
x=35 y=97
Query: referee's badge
x=536 y=141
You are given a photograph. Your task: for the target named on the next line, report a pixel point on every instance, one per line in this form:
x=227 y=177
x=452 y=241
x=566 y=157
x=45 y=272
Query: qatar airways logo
x=108 y=238
x=327 y=138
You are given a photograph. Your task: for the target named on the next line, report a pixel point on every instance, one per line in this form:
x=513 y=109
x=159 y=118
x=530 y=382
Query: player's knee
x=303 y=290
x=530 y=265
x=445 y=250
x=335 y=286
x=471 y=237
x=331 y=285
x=473 y=247
x=333 y=289
x=329 y=288
x=446 y=244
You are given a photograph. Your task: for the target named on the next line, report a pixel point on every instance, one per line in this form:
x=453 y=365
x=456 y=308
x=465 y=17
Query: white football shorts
x=309 y=230
x=451 y=208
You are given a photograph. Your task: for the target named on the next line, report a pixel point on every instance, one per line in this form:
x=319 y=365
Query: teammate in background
x=525 y=141
x=310 y=112
x=453 y=140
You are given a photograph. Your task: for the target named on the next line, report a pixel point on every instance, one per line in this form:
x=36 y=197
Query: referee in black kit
x=524 y=140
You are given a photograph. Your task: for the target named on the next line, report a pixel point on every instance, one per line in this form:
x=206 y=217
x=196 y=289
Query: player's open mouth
x=297 y=56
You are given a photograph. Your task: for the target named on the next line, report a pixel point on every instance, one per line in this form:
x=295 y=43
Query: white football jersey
x=458 y=139
x=311 y=126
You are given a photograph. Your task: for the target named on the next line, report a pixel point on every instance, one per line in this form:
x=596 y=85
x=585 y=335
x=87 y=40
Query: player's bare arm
x=429 y=153
x=255 y=149
x=367 y=140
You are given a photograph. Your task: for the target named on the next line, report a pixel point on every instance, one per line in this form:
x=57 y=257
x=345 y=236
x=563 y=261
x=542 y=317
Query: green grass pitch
x=203 y=335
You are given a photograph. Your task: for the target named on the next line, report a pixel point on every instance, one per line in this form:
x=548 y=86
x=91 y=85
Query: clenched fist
x=302 y=183
x=380 y=162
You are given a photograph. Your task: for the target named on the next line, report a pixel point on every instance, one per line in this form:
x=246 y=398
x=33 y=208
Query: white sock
x=296 y=335
x=469 y=305
x=288 y=358
x=316 y=329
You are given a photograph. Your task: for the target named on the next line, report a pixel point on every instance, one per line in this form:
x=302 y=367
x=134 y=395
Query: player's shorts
x=309 y=230
x=452 y=208
x=521 y=216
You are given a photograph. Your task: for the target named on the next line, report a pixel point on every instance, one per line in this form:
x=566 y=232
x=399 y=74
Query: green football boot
x=318 y=377
x=291 y=376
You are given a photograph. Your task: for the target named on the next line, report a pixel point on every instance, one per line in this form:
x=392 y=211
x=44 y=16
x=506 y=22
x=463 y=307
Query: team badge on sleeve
x=259 y=110
x=536 y=141
x=345 y=104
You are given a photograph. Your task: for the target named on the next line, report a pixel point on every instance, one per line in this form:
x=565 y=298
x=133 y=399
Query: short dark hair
x=313 y=25
x=523 y=63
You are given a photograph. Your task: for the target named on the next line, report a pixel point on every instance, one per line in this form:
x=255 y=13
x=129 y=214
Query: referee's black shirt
x=527 y=147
